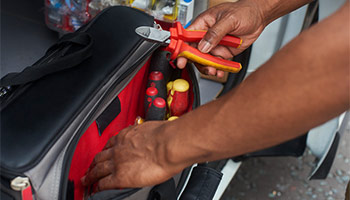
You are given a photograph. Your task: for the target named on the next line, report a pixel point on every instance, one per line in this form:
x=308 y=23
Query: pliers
x=175 y=41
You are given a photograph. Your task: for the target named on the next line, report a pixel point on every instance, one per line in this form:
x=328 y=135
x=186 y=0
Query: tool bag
x=57 y=114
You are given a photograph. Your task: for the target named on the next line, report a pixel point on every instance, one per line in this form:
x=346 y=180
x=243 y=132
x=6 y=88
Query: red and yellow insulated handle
x=180 y=48
x=178 y=38
x=179 y=33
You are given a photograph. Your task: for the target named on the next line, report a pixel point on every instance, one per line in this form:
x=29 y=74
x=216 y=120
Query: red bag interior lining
x=90 y=143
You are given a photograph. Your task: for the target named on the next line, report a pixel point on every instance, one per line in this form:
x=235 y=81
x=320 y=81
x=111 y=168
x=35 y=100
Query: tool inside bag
x=57 y=114
x=119 y=114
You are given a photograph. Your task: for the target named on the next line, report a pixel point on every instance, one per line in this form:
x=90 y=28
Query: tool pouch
x=203 y=184
x=57 y=114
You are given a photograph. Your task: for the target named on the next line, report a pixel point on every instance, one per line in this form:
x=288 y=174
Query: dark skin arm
x=245 y=18
x=303 y=85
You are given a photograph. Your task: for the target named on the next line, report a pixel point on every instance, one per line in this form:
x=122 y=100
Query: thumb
x=214 y=35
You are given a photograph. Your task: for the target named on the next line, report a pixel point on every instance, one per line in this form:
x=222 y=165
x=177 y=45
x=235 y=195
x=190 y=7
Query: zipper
x=4 y=91
x=9 y=174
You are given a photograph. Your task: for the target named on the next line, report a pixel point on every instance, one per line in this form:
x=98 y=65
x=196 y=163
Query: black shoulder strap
x=163 y=191
x=54 y=60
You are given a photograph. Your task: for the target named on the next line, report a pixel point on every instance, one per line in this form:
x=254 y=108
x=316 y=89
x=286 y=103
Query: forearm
x=273 y=9
x=302 y=86
x=270 y=9
x=217 y=2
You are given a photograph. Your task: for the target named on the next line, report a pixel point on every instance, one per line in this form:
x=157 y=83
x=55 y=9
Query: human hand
x=131 y=159
x=242 y=19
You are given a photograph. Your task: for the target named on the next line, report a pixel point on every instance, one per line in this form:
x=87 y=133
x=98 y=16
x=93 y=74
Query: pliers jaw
x=153 y=34
x=175 y=39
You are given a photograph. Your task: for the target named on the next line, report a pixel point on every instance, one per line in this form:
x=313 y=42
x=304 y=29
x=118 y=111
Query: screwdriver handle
x=157 y=110
x=178 y=97
x=151 y=94
x=160 y=61
x=156 y=79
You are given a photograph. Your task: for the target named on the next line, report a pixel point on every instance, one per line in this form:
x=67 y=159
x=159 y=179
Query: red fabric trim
x=131 y=100
x=90 y=143
x=27 y=193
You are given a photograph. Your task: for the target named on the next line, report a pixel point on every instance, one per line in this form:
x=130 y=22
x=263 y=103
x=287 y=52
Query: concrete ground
x=286 y=178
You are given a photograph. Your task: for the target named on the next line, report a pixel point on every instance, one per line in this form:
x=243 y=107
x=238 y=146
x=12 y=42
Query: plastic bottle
x=186 y=12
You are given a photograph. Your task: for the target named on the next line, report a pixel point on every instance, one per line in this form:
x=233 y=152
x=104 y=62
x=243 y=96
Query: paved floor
x=286 y=178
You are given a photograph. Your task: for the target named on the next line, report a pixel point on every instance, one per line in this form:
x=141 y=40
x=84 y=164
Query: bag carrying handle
x=50 y=63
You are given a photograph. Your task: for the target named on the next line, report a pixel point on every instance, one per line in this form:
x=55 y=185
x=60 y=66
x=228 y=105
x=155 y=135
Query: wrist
x=166 y=149
x=272 y=9
x=177 y=147
x=266 y=10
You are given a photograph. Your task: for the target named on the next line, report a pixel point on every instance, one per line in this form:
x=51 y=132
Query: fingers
x=210 y=71
x=207 y=21
x=103 y=155
x=202 y=22
x=100 y=157
x=106 y=183
x=181 y=62
x=114 y=140
x=112 y=181
x=220 y=73
x=214 y=35
x=99 y=171
x=111 y=142
x=222 y=52
x=213 y=72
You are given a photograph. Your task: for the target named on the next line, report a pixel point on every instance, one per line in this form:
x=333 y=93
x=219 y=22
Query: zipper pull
x=20 y=183
x=4 y=91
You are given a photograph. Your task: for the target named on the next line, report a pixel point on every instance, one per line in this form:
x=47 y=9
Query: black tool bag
x=58 y=113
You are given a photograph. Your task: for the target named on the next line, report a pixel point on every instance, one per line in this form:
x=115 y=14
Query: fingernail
x=212 y=72
x=204 y=46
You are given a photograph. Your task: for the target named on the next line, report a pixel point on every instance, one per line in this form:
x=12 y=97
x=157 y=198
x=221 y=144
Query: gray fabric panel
x=140 y=195
x=43 y=171
x=50 y=186
x=50 y=166
x=113 y=194
x=143 y=193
